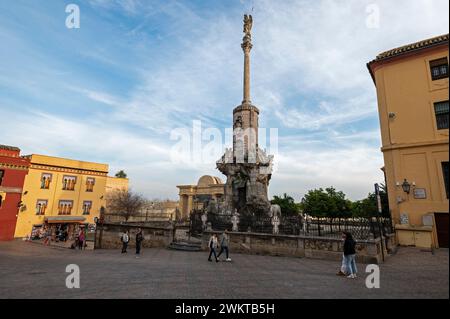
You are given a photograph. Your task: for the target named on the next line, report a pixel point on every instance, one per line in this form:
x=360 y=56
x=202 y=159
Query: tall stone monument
x=247 y=167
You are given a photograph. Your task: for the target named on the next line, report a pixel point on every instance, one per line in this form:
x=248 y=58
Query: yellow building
x=191 y=196
x=61 y=193
x=113 y=184
x=412 y=89
x=116 y=183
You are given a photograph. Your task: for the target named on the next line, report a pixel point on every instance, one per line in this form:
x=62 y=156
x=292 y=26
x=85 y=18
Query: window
x=441 y=111
x=2 y=174
x=445 y=174
x=69 y=183
x=65 y=207
x=41 y=206
x=1 y=200
x=90 y=182
x=87 y=205
x=45 y=180
x=439 y=69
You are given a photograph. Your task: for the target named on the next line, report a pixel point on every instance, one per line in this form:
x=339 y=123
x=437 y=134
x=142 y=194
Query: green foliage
x=368 y=207
x=333 y=204
x=326 y=203
x=287 y=204
x=121 y=174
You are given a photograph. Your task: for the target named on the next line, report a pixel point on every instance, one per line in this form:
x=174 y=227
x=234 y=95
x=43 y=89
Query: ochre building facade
x=61 y=192
x=413 y=104
x=191 y=196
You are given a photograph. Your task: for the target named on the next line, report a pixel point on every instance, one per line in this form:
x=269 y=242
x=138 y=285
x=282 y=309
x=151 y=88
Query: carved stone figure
x=204 y=219
x=276 y=224
x=275 y=210
x=248 y=23
x=235 y=221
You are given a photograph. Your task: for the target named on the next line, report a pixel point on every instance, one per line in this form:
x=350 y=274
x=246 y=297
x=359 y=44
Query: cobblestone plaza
x=34 y=271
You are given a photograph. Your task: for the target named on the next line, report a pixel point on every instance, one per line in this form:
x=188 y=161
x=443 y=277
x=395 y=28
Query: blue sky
x=113 y=90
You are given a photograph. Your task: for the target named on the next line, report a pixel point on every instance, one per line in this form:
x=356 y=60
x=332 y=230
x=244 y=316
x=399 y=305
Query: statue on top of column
x=248 y=22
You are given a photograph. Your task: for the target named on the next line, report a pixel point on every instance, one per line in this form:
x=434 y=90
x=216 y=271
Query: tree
x=317 y=203
x=287 y=205
x=125 y=203
x=121 y=174
x=326 y=203
x=342 y=207
x=368 y=207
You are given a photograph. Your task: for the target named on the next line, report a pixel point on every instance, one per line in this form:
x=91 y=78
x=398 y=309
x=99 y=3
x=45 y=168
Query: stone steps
x=186 y=246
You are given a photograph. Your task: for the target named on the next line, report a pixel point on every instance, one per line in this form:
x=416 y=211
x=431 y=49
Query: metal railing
x=361 y=228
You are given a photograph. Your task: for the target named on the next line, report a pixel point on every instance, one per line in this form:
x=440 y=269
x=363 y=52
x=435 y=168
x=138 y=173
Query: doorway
x=442 y=226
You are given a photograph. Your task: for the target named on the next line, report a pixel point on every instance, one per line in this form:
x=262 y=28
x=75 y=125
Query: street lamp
x=406 y=186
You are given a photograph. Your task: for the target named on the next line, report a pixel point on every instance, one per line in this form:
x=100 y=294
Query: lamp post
x=102 y=218
x=95 y=234
x=380 y=210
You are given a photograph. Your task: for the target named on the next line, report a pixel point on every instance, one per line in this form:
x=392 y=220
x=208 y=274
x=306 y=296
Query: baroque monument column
x=247 y=167
x=246 y=47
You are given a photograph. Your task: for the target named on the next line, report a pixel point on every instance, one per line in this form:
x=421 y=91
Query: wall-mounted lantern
x=406 y=186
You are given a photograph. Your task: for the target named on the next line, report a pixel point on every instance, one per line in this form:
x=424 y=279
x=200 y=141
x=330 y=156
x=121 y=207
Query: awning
x=64 y=219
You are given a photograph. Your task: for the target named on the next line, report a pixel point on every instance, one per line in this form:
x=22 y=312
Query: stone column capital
x=246 y=45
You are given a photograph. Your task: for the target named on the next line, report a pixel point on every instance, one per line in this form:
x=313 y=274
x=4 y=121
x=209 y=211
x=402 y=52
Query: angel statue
x=248 y=22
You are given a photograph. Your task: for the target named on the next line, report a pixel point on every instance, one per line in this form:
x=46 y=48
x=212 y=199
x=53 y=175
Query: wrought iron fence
x=361 y=228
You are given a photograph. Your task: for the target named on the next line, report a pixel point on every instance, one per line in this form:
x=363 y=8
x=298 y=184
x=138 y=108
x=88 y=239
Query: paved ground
x=33 y=271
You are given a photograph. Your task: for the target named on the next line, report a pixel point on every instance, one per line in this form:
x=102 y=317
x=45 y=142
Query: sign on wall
x=420 y=193
x=404 y=219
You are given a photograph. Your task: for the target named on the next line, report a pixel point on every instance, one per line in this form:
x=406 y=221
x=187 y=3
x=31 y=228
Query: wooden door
x=442 y=228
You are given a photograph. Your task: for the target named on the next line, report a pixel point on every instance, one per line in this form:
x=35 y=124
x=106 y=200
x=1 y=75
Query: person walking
x=125 y=241
x=48 y=236
x=213 y=244
x=81 y=239
x=343 y=270
x=350 y=255
x=224 y=240
x=139 y=239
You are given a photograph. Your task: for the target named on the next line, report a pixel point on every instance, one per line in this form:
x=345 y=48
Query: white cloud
x=309 y=78
x=98 y=96
x=352 y=170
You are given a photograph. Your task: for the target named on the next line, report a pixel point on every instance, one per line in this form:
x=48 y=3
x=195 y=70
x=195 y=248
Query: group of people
x=214 y=244
x=348 y=267
x=125 y=238
x=80 y=240
x=61 y=234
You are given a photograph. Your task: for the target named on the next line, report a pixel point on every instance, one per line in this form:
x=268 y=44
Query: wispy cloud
x=97 y=96
x=159 y=65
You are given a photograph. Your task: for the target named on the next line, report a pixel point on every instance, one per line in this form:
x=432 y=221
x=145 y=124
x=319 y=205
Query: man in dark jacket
x=350 y=254
x=139 y=239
